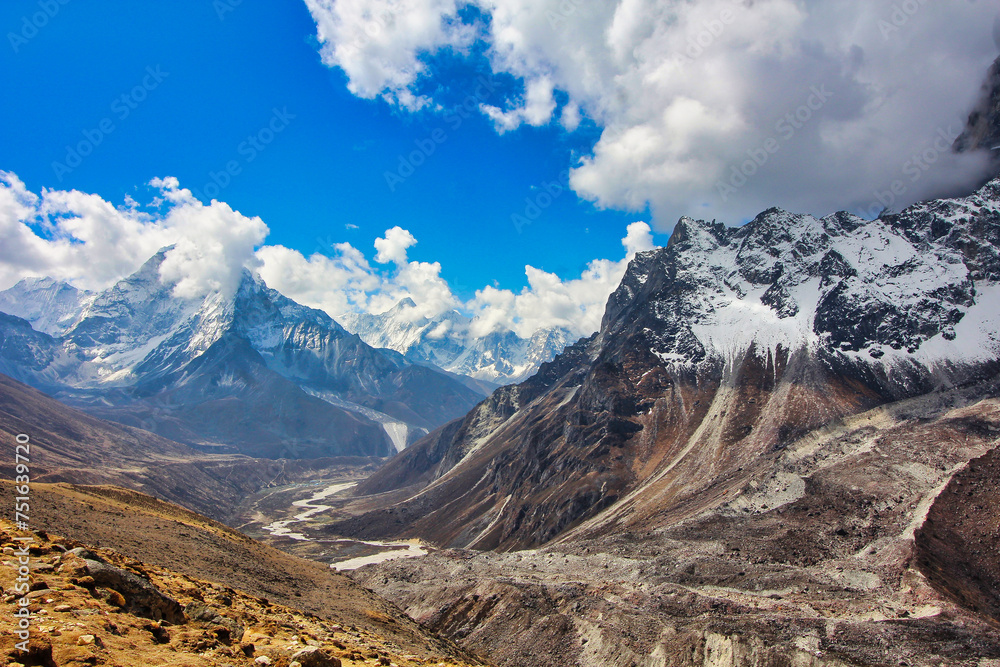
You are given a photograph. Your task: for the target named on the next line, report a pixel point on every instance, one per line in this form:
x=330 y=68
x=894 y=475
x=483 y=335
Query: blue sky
x=221 y=76
x=334 y=122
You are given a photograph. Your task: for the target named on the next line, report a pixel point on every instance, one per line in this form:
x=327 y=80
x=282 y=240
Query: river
x=311 y=507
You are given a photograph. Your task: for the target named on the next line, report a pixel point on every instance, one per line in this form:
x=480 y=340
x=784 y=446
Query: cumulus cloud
x=393 y=246
x=576 y=305
x=715 y=108
x=343 y=282
x=378 y=43
x=87 y=241
x=337 y=283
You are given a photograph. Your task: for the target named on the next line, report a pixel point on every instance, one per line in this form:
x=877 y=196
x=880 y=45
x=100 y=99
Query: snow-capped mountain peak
x=52 y=306
x=138 y=352
x=873 y=289
x=500 y=357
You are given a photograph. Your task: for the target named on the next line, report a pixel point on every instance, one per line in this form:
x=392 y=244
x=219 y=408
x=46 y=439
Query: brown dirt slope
x=70 y=446
x=162 y=535
x=80 y=619
x=957 y=546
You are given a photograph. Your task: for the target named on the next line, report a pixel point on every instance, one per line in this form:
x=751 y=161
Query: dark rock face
x=982 y=130
x=24 y=352
x=253 y=372
x=715 y=353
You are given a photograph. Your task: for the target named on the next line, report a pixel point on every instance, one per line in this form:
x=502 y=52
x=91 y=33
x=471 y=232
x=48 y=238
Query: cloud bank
x=88 y=242
x=344 y=281
x=714 y=108
x=84 y=240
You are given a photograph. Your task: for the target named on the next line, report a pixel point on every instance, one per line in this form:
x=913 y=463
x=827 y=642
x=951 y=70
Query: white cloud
x=393 y=246
x=535 y=109
x=213 y=244
x=378 y=42
x=576 y=305
x=337 y=284
x=345 y=282
x=85 y=240
x=422 y=282
x=638 y=238
x=687 y=91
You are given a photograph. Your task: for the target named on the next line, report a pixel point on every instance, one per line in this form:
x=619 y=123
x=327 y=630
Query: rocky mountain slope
x=252 y=372
x=178 y=589
x=817 y=557
x=870 y=541
x=715 y=352
x=71 y=446
x=501 y=357
x=982 y=130
x=738 y=467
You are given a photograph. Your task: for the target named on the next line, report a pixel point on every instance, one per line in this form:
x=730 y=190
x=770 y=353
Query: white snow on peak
x=762 y=286
x=501 y=357
x=51 y=306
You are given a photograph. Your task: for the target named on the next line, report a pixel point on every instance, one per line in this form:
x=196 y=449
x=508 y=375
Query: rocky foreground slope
x=177 y=589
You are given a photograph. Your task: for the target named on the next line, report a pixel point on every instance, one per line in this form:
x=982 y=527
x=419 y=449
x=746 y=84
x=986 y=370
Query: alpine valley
x=779 y=449
x=764 y=440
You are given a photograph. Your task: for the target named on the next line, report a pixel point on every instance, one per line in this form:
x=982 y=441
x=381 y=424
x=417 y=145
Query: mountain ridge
x=779 y=449
x=76 y=447
x=253 y=372
x=727 y=344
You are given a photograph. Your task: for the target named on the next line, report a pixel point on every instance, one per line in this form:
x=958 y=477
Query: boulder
x=314 y=657
x=142 y=598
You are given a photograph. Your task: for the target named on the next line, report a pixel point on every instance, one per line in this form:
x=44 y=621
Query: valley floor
x=292 y=517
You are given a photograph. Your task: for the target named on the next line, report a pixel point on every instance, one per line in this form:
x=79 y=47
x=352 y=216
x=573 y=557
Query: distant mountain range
x=252 y=372
x=501 y=357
